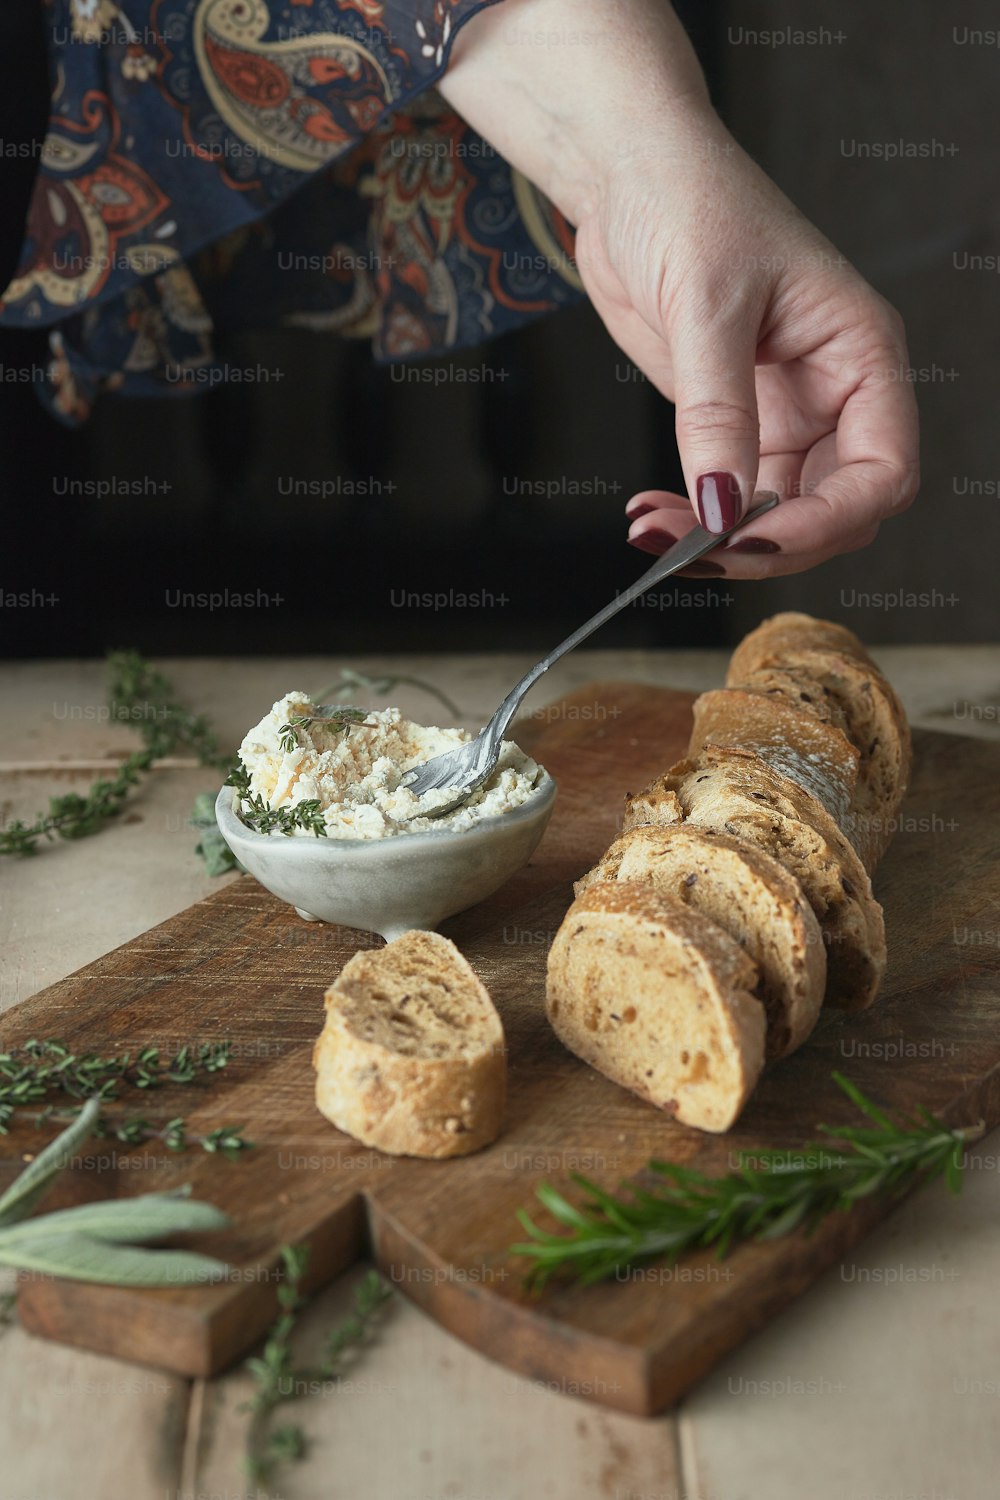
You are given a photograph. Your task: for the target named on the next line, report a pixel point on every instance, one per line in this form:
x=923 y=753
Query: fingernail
x=653 y=540
x=636 y=508
x=753 y=544
x=704 y=570
x=719 y=500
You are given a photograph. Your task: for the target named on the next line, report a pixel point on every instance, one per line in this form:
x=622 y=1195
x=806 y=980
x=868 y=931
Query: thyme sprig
x=48 y=1070
x=136 y=1130
x=258 y=814
x=279 y=1381
x=39 y=1069
x=342 y=718
x=144 y=698
x=771 y=1193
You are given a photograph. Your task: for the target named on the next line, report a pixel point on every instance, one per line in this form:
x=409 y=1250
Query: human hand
x=789 y=373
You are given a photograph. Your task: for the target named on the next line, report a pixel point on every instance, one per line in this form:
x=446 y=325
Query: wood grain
x=242 y=966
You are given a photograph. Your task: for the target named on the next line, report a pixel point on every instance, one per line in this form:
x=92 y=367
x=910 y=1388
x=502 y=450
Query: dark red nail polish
x=704 y=570
x=753 y=544
x=643 y=508
x=719 y=501
x=653 y=540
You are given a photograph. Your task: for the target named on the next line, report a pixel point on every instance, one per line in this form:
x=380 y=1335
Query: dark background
x=569 y=406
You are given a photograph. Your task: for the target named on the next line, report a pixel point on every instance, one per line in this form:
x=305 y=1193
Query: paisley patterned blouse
x=215 y=164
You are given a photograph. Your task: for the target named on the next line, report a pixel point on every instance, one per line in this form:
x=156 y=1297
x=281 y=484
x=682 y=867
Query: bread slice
x=747 y=893
x=814 y=753
x=775 y=638
x=658 y=998
x=734 y=791
x=411 y=1057
x=778 y=680
x=854 y=694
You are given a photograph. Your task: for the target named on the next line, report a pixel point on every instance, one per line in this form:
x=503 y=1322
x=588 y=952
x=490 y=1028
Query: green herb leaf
x=218 y=857
x=144 y=698
x=26 y=1189
x=125 y=1221
x=277 y=1379
x=80 y=1258
x=769 y=1195
x=257 y=813
x=95 y=1242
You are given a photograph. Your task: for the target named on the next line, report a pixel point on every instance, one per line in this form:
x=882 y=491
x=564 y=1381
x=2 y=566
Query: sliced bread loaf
x=793 y=740
x=871 y=715
x=658 y=998
x=775 y=638
x=777 y=680
x=411 y=1057
x=733 y=791
x=747 y=893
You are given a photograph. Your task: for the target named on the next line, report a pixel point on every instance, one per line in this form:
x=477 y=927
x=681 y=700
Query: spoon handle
x=690 y=547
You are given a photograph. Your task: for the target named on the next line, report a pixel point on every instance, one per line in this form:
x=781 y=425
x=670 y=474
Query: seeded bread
x=733 y=791
x=411 y=1057
x=778 y=680
x=750 y=896
x=775 y=638
x=855 y=695
x=814 y=753
x=657 y=997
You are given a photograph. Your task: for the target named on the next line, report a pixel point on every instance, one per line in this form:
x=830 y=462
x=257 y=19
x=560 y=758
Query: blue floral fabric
x=217 y=164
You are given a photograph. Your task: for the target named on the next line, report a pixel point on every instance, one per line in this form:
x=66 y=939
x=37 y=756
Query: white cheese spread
x=354 y=772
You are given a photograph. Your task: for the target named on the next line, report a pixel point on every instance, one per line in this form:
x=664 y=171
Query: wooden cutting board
x=243 y=966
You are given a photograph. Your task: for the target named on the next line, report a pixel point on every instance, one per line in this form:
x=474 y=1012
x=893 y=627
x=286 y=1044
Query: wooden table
x=887 y=1388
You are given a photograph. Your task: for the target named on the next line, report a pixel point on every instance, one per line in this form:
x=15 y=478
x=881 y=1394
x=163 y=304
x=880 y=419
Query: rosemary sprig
x=100 y=1241
x=140 y=696
x=258 y=814
x=770 y=1194
x=277 y=1379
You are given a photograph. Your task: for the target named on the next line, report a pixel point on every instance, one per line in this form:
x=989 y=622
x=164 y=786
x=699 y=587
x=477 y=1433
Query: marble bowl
x=395 y=884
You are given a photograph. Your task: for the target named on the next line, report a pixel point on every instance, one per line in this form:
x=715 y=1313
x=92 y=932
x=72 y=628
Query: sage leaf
x=219 y=858
x=80 y=1258
x=126 y=1221
x=24 y=1192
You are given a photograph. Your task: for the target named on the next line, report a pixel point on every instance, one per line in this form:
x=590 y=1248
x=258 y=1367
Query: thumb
x=718 y=432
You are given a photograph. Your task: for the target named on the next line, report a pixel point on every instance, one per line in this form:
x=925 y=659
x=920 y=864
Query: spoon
x=463 y=770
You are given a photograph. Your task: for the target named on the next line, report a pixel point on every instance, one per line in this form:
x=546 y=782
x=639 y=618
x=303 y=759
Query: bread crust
x=776 y=637
x=872 y=717
x=419 y=1074
x=751 y=896
x=658 y=998
x=729 y=790
x=810 y=751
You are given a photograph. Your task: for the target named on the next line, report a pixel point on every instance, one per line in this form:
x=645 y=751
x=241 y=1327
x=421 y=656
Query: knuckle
x=708 y=418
